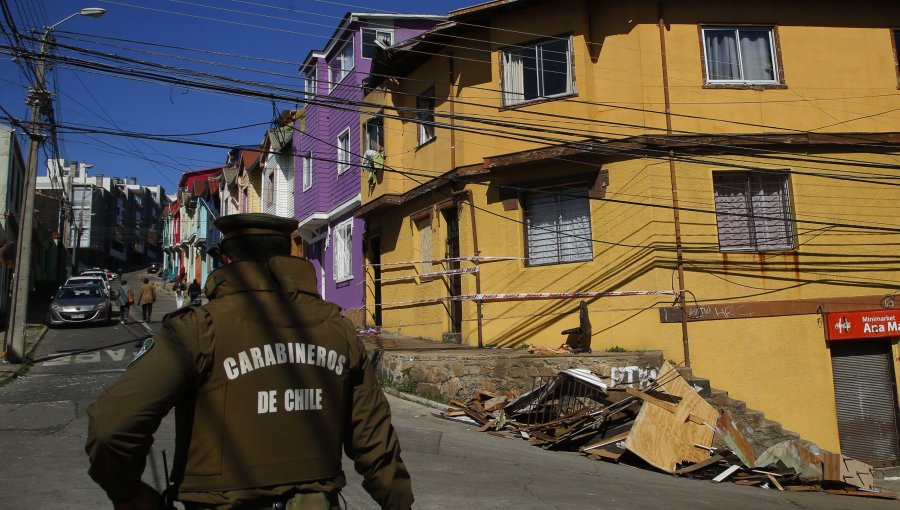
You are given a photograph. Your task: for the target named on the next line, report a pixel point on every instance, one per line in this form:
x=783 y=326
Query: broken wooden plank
x=775 y=482
x=606 y=455
x=604 y=442
x=725 y=474
x=658 y=438
x=865 y=494
x=487 y=426
x=679 y=416
x=699 y=465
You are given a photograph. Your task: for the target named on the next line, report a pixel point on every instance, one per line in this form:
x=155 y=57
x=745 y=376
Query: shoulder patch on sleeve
x=145 y=348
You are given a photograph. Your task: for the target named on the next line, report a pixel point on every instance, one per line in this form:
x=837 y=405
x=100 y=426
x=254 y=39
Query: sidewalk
x=34 y=333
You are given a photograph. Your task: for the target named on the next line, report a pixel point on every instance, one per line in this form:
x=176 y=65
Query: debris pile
x=666 y=425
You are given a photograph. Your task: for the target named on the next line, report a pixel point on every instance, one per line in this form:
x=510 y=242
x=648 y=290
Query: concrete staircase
x=759 y=430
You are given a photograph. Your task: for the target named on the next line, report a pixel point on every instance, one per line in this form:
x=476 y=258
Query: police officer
x=268 y=382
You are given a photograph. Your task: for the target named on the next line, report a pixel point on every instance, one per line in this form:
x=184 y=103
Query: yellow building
x=743 y=152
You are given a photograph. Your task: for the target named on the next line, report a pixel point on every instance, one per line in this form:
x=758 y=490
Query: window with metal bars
x=558 y=226
x=753 y=211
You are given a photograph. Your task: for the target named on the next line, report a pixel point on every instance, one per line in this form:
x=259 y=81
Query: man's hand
x=146 y=499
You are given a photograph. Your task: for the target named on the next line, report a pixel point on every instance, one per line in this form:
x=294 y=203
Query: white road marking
x=116 y=355
x=87 y=357
x=62 y=360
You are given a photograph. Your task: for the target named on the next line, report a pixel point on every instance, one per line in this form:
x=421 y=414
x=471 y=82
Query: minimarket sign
x=862 y=324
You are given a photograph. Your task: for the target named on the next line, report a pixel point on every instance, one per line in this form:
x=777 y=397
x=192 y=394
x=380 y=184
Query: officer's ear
x=225 y=259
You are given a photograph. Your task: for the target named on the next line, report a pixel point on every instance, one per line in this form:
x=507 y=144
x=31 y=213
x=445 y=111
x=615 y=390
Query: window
x=270 y=188
x=343 y=253
x=896 y=34
x=753 y=211
x=343 y=151
x=537 y=71
x=558 y=226
x=425 y=114
x=740 y=55
x=423 y=226
x=307 y=171
x=370 y=35
x=342 y=64
x=310 y=84
x=373 y=135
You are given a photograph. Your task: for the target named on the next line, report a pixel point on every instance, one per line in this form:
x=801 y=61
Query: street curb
x=417 y=399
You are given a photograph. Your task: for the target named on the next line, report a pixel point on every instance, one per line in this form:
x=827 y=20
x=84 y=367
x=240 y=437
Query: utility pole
x=39 y=101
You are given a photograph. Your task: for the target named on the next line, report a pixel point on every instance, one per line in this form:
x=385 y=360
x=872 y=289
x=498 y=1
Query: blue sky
x=276 y=34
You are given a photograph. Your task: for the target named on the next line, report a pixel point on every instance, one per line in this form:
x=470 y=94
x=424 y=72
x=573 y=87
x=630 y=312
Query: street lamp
x=38 y=100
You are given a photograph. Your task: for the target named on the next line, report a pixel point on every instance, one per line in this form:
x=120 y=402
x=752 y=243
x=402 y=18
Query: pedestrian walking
x=165 y=278
x=179 y=289
x=125 y=298
x=146 y=298
x=194 y=292
x=270 y=381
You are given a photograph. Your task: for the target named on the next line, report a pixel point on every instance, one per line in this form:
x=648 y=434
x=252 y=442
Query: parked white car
x=88 y=280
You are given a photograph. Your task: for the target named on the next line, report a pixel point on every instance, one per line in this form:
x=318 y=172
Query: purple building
x=329 y=148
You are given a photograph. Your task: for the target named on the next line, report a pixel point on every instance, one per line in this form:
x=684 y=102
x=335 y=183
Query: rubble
x=665 y=425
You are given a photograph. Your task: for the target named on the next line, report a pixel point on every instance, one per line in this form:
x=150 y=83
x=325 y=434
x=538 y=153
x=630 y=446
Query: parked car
x=80 y=304
x=111 y=275
x=154 y=268
x=88 y=279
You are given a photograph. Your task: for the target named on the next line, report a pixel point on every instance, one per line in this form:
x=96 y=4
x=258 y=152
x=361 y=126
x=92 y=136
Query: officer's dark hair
x=259 y=247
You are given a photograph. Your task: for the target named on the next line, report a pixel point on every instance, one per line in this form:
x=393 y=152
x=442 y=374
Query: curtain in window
x=722 y=55
x=732 y=210
x=753 y=211
x=558 y=226
x=769 y=200
x=756 y=55
x=513 y=84
x=342 y=252
x=425 y=105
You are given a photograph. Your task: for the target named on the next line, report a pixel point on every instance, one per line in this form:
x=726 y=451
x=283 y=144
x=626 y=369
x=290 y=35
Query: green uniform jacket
x=269 y=382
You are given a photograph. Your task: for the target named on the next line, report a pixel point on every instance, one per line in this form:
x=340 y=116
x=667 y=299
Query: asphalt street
x=43 y=427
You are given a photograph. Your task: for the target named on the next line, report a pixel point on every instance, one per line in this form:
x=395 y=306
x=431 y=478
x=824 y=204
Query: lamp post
x=38 y=100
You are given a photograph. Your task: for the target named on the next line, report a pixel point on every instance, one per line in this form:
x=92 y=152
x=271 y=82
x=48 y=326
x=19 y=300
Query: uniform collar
x=284 y=274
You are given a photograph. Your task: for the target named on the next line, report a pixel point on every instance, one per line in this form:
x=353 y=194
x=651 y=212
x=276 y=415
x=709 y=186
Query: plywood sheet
x=840 y=468
x=661 y=438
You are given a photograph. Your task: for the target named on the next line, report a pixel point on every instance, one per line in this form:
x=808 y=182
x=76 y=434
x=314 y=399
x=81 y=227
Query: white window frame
x=367 y=140
x=307 y=171
x=425 y=105
x=270 y=186
x=342 y=255
x=546 y=221
x=343 y=154
x=311 y=85
x=759 y=223
x=377 y=31
x=773 y=51
x=342 y=57
x=507 y=68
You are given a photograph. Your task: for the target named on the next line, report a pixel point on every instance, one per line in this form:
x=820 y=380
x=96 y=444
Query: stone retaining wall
x=449 y=374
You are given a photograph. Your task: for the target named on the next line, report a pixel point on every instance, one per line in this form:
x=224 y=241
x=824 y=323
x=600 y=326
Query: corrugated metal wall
x=866 y=401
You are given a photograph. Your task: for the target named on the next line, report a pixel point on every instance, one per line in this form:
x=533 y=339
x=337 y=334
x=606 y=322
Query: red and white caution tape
x=478 y=258
x=529 y=296
x=449 y=272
